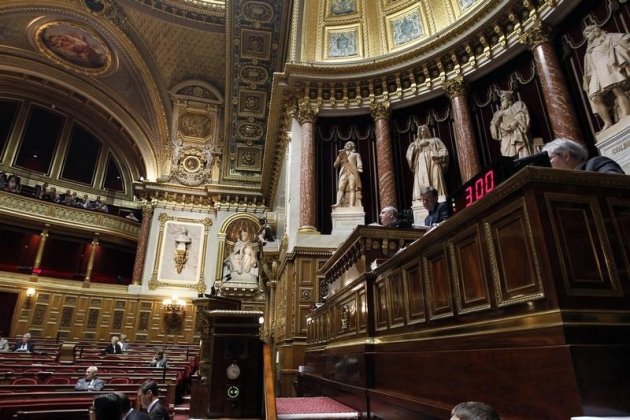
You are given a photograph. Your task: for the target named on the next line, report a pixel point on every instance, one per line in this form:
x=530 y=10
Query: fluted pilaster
x=467 y=154
x=384 y=155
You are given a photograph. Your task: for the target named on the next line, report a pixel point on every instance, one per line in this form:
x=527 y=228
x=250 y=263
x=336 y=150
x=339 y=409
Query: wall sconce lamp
x=30 y=292
x=173 y=304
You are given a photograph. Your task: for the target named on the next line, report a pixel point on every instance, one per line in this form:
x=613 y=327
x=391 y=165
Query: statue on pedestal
x=510 y=126
x=427 y=157
x=606 y=70
x=350 y=167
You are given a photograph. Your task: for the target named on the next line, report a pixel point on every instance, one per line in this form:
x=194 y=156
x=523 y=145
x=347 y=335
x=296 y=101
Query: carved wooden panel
x=38 y=314
x=380 y=304
x=437 y=284
x=414 y=292
x=396 y=299
x=469 y=271
x=586 y=259
x=303 y=311
x=513 y=257
x=362 y=317
x=66 y=316
x=92 y=320
x=307 y=271
x=620 y=212
x=117 y=320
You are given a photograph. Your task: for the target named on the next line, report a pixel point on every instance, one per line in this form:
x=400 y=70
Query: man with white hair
x=567 y=154
x=90 y=382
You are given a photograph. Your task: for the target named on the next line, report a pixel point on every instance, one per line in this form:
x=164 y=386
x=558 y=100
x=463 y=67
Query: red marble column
x=467 y=154
x=306 y=116
x=564 y=122
x=384 y=157
x=141 y=250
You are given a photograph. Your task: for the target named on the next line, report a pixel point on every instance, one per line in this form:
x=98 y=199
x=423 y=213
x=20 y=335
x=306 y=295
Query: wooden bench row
x=43 y=398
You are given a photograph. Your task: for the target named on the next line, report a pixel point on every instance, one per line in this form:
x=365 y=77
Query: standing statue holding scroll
x=350 y=168
x=606 y=70
x=510 y=126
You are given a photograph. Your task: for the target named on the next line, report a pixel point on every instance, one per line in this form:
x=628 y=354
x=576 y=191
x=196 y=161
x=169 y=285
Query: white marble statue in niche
x=510 y=126
x=427 y=157
x=606 y=73
x=242 y=264
x=350 y=168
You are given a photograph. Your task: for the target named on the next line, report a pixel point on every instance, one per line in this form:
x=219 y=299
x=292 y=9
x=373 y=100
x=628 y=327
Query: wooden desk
x=521 y=301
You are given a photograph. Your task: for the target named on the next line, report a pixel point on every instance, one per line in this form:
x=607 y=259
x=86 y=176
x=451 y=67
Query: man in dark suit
x=438 y=212
x=128 y=412
x=567 y=154
x=148 y=396
x=25 y=345
x=113 y=347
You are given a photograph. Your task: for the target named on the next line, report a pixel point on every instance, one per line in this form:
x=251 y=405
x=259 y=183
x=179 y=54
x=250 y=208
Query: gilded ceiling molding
x=455 y=87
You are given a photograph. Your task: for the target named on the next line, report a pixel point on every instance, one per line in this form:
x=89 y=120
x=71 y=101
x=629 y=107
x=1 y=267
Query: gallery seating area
x=43 y=381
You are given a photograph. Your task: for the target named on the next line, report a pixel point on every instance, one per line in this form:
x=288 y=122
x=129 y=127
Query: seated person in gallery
x=159 y=360
x=567 y=154
x=113 y=347
x=4 y=344
x=91 y=382
x=473 y=410
x=41 y=190
x=438 y=212
x=13 y=184
x=132 y=217
x=123 y=343
x=25 y=345
x=265 y=233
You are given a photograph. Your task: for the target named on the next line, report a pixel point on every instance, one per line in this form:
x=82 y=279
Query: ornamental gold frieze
x=17 y=206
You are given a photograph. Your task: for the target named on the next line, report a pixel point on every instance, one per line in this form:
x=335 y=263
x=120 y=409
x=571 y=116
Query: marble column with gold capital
x=467 y=153
x=306 y=117
x=141 y=250
x=384 y=156
x=90 y=265
x=40 y=253
x=562 y=117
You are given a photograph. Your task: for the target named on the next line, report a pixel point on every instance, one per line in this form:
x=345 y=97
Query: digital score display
x=479 y=189
x=485 y=182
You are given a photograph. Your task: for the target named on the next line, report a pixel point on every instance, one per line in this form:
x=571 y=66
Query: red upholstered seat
x=24 y=381
x=57 y=380
x=118 y=381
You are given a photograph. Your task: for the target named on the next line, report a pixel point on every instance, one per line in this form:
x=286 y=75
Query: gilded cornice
x=207 y=13
x=40 y=212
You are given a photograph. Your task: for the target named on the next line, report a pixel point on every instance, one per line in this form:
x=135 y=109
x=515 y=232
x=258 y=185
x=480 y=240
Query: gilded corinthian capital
x=306 y=112
x=455 y=87
x=534 y=36
x=380 y=110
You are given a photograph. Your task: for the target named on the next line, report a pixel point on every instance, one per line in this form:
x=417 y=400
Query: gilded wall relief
x=74 y=46
x=248 y=158
x=257 y=11
x=181 y=249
